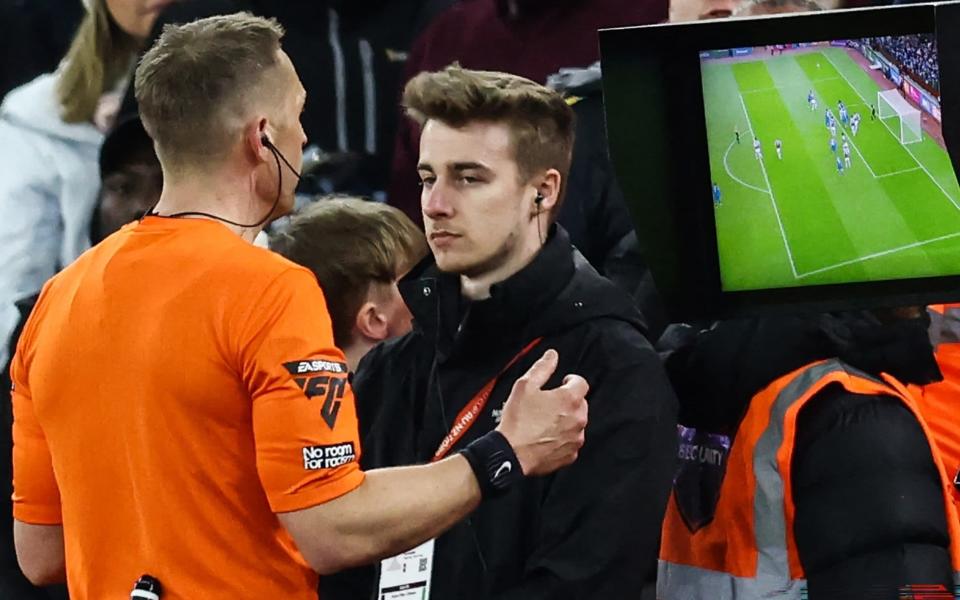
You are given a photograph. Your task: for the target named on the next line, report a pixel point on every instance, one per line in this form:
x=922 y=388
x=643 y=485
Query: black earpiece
x=278 y=156
x=538 y=200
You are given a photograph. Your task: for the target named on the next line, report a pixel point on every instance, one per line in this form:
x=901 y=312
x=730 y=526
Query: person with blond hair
x=51 y=130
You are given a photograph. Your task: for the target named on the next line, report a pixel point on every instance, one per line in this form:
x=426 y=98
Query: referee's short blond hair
x=194 y=85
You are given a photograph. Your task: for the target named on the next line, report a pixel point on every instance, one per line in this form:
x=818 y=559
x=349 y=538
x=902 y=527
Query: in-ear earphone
x=276 y=153
x=537 y=201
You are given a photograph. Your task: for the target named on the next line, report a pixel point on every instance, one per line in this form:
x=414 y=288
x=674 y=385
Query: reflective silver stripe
x=770 y=525
x=685 y=582
x=369 y=97
x=944 y=327
x=340 y=79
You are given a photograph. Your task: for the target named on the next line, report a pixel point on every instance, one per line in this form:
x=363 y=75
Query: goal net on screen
x=900 y=116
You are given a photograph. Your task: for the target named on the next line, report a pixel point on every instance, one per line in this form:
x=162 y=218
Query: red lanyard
x=468 y=415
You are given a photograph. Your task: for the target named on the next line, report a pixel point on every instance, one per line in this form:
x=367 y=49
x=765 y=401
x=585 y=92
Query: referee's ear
x=257 y=136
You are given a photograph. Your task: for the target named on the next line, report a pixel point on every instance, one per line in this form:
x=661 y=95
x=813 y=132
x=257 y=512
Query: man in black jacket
x=494 y=154
x=870 y=515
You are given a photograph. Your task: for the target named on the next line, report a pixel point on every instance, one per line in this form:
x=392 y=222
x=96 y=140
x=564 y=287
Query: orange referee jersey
x=174 y=389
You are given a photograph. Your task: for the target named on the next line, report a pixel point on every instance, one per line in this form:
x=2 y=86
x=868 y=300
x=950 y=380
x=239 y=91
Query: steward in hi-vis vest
x=801 y=475
x=939 y=402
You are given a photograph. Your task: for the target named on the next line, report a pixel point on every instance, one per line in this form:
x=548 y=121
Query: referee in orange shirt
x=180 y=408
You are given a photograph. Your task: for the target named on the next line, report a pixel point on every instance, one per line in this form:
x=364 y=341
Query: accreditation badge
x=406 y=576
x=703 y=463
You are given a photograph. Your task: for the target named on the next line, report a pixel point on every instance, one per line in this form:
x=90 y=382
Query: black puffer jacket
x=589 y=531
x=869 y=506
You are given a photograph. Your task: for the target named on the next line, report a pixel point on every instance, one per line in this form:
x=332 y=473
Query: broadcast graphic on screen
x=828 y=164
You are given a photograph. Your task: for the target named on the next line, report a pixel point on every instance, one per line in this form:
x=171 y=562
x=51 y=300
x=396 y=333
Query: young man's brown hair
x=193 y=85
x=541 y=122
x=351 y=245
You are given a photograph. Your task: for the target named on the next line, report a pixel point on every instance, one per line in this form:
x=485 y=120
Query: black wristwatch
x=494 y=464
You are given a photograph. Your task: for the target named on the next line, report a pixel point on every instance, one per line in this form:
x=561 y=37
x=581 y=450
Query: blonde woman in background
x=51 y=130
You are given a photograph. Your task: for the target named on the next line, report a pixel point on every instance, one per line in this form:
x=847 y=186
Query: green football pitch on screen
x=796 y=219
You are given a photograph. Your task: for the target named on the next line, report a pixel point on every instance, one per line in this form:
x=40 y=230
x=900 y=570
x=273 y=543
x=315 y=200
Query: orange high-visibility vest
x=748 y=550
x=940 y=402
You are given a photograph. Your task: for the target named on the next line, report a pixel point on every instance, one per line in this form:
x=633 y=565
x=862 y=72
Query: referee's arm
x=37 y=530
x=40 y=552
x=395 y=509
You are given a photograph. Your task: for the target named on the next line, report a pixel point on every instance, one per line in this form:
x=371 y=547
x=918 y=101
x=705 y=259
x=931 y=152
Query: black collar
x=443 y=315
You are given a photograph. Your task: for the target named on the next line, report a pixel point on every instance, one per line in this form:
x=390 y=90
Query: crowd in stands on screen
x=917 y=53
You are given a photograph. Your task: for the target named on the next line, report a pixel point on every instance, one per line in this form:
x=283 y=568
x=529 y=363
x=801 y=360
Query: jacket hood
x=557 y=291
x=33 y=106
x=721 y=369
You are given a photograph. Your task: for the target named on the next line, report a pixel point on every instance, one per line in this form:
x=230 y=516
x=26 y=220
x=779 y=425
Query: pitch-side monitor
x=805 y=161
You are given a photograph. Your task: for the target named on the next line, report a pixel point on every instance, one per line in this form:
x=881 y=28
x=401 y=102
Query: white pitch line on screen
x=905 y=147
x=773 y=201
x=899 y=172
x=734 y=177
x=865 y=163
x=921 y=165
x=879 y=254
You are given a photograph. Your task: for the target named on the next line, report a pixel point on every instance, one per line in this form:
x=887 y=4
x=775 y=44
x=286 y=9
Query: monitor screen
x=828 y=163
x=794 y=162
